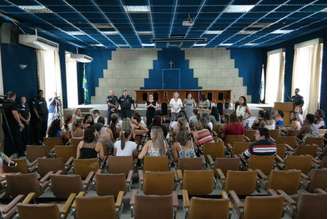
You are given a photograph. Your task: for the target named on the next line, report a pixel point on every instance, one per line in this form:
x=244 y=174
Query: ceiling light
x=247 y=32
x=110 y=32
x=238 y=8
x=97 y=45
x=214 y=32
x=148 y=44
x=136 y=8
x=260 y=25
x=282 y=31
x=250 y=44
x=38 y=9
x=200 y=44
x=226 y=44
x=103 y=25
x=324 y=10
x=76 y=33
x=145 y=32
x=122 y=45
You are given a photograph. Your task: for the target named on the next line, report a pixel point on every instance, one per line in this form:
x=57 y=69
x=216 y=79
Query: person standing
x=126 y=101
x=298 y=101
x=242 y=110
x=54 y=108
x=112 y=103
x=40 y=112
x=176 y=106
x=189 y=105
x=25 y=116
x=151 y=106
x=13 y=127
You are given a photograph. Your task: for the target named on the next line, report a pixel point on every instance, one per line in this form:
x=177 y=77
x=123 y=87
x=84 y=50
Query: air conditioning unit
x=82 y=58
x=36 y=42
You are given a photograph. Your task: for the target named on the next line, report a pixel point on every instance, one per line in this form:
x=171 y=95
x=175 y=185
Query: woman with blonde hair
x=156 y=146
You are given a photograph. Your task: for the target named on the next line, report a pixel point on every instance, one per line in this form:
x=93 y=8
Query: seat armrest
x=12 y=204
x=281 y=166
x=321 y=191
x=186 y=201
x=129 y=177
x=224 y=195
x=46 y=177
x=279 y=159
x=67 y=206
x=203 y=160
x=58 y=172
x=88 y=179
x=247 y=138
x=261 y=174
x=229 y=147
x=69 y=162
x=286 y=197
x=29 y=197
x=272 y=192
x=289 y=147
x=220 y=173
x=119 y=199
x=236 y=199
x=179 y=174
x=44 y=184
x=81 y=194
x=304 y=176
x=210 y=160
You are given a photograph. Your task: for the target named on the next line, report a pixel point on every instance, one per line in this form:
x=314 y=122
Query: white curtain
x=307 y=73
x=40 y=54
x=275 y=74
x=71 y=81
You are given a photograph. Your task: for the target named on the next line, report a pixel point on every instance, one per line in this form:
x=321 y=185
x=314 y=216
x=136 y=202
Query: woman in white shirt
x=242 y=109
x=176 y=106
x=125 y=147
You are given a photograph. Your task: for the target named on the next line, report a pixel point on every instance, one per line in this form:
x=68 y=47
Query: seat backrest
x=264 y=163
x=242 y=182
x=22 y=184
x=239 y=147
x=153 y=206
x=290 y=140
x=306 y=150
x=232 y=138
x=250 y=133
x=65 y=152
x=315 y=141
x=286 y=180
x=226 y=164
x=281 y=150
x=110 y=184
x=214 y=149
x=268 y=207
x=299 y=162
x=63 y=185
x=82 y=167
x=158 y=183
x=156 y=163
x=50 y=164
x=198 y=182
x=311 y=205
x=75 y=141
x=274 y=133
x=38 y=211
x=318 y=179
x=209 y=208
x=190 y=163
x=51 y=142
x=120 y=164
x=21 y=167
x=34 y=152
x=101 y=207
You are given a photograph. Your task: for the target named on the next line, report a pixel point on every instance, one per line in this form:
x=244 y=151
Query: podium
x=287 y=108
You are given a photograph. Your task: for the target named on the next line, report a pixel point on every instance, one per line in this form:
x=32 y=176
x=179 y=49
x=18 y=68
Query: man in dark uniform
x=25 y=116
x=40 y=112
x=13 y=127
x=125 y=102
x=112 y=103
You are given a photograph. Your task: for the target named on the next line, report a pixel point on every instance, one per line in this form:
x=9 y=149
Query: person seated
x=156 y=146
x=105 y=135
x=157 y=121
x=295 y=123
x=279 y=118
x=55 y=128
x=193 y=120
x=77 y=115
x=89 y=147
x=268 y=122
x=115 y=126
x=263 y=145
x=77 y=130
x=309 y=128
x=95 y=115
x=125 y=147
x=139 y=128
x=234 y=126
x=183 y=146
x=205 y=120
x=88 y=121
x=319 y=119
x=202 y=135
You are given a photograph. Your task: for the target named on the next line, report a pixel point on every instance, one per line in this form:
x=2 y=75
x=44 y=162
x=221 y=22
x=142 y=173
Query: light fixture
x=214 y=32
x=37 y=9
x=259 y=25
x=103 y=25
x=110 y=32
x=76 y=33
x=238 y=8
x=226 y=44
x=199 y=44
x=324 y=10
x=136 y=8
x=250 y=44
x=148 y=44
x=279 y=31
x=122 y=45
x=246 y=32
x=145 y=32
x=97 y=45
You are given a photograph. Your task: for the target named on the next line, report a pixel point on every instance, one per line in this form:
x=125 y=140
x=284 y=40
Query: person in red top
x=234 y=126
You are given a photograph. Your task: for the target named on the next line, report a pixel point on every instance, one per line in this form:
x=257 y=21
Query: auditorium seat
x=212 y=151
x=111 y=184
x=41 y=211
x=238 y=147
x=51 y=142
x=250 y=133
x=307 y=150
x=232 y=138
x=317 y=180
x=274 y=133
x=100 y=207
x=197 y=183
x=121 y=164
x=34 y=152
x=67 y=153
x=86 y=168
x=261 y=164
x=287 y=181
x=189 y=164
x=22 y=166
x=153 y=164
x=222 y=165
x=50 y=165
x=288 y=140
x=310 y=205
x=62 y=186
x=75 y=141
x=298 y=162
x=319 y=141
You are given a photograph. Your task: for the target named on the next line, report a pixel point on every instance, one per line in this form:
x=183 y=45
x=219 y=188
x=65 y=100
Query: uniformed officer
x=40 y=112
x=125 y=102
x=25 y=116
x=112 y=103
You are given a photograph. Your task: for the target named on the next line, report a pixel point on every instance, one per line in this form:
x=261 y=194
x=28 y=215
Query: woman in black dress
x=152 y=106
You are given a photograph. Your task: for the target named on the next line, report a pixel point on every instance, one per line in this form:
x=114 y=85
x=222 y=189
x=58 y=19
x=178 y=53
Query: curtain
x=40 y=54
x=281 y=78
x=307 y=73
x=71 y=77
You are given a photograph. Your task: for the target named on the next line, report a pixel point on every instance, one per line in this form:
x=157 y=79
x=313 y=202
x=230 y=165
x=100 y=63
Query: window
x=307 y=73
x=71 y=81
x=262 y=90
x=275 y=74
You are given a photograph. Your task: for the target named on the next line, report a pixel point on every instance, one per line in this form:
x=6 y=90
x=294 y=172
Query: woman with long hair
x=89 y=147
x=55 y=128
x=156 y=146
x=183 y=146
x=125 y=147
x=242 y=110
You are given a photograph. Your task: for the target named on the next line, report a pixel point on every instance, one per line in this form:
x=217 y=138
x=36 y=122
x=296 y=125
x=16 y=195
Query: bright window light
x=226 y=44
x=238 y=8
x=145 y=32
x=35 y=8
x=282 y=31
x=110 y=32
x=71 y=77
x=136 y=8
x=148 y=44
x=200 y=44
x=214 y=32
x=76 y=33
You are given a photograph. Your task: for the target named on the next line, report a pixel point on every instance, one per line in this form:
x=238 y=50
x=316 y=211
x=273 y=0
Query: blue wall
x=23 y=81
x=249 y=63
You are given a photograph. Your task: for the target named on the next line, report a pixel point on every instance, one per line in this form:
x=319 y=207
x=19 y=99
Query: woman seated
x=279 y=118
x=183 y=146
x=156 y=146
x=77 y=115
x=105 y=136
x=138 y=126
x=89 y=146
x=268 y=122
x=319 y=119
x=88 y=121
x=77 y=130
x=309 y=128
x=125 y=147
x=115 y=126
x=55 y=129
x=234 y=126
x=295 y=122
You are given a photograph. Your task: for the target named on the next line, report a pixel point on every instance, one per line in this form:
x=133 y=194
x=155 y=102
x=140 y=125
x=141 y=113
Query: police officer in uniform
x=112 y=103
x=25 y=116
x=125 y=102
x=40 y=112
